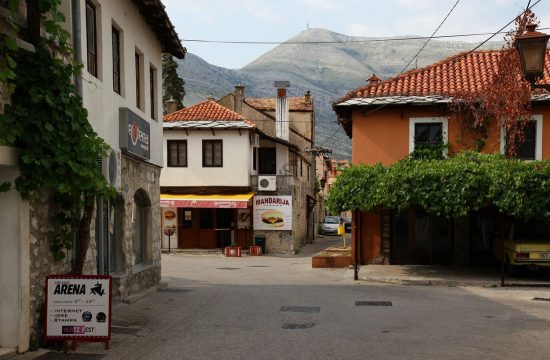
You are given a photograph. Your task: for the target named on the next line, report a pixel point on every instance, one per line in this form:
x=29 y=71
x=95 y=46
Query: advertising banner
x=272 y=212
x=78 y=307
x=135 y=134
x=170 y=227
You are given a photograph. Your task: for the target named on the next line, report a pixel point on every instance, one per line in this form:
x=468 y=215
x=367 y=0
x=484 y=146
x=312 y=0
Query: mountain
x=329 y=68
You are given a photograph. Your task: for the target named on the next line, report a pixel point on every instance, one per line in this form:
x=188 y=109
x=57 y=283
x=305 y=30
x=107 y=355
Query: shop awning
x=232 y=201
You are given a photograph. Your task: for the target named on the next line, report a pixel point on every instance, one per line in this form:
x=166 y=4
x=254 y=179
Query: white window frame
x=425 y=120
x=538 y=141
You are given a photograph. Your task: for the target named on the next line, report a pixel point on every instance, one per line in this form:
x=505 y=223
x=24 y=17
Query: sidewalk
x=447 y=276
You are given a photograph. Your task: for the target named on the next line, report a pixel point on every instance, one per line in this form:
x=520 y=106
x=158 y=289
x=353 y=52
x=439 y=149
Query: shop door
x=400 y=244
x=224 y=227
x=420 y=238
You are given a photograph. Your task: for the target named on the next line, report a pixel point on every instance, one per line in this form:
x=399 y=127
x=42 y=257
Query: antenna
x=307 y=25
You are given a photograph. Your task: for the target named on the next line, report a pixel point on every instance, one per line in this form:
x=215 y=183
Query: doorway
x=420 y=238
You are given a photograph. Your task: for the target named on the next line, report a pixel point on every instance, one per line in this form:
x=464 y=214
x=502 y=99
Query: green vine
x=48 y=123
x=450 y=187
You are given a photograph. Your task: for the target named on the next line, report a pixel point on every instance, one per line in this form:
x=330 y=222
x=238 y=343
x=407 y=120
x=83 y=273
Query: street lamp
x=531 y=48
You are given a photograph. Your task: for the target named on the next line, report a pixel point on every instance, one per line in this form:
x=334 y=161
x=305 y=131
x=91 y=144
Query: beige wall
x=236 y=159
x=100 y=100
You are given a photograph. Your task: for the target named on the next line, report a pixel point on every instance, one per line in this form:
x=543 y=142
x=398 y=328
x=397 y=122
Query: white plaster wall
x=14 y=266
x=283 y=166
x=236 y=159
x=101 y=101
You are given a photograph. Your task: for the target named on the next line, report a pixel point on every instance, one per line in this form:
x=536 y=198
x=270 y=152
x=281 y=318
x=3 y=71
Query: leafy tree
x=172 y=84
x=449 y=187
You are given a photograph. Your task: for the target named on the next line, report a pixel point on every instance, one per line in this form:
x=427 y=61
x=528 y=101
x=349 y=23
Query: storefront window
x=206 y=219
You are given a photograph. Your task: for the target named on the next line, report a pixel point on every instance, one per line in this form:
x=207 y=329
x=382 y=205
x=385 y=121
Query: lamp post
x=531 y=48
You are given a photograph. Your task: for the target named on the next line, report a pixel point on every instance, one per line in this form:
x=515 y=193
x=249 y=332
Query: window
x=152 y=91
x=91 y=38
x=139 y=81
x=427 y=132
x=116 y=60
x=531 y=147
x=177 y=153
x=212 y=153
x=268 y=162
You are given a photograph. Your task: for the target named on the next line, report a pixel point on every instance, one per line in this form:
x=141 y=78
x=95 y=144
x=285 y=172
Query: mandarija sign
x=272 y=212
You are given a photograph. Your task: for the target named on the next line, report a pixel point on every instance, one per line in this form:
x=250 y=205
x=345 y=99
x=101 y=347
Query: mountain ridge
x=328 y=70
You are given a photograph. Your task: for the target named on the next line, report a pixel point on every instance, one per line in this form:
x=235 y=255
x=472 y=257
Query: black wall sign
x=135 y=134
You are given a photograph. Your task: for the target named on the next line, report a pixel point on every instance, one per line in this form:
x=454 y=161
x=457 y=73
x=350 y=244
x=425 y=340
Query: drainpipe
x=77 y=36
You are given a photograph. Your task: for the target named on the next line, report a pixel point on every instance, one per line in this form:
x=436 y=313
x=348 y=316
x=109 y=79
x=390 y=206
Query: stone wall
x=135 y=278
x=42 y=226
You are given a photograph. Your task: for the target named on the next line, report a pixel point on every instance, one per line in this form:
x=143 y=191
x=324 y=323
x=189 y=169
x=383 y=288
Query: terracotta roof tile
x=462 y=72
x=268 y=104
x=208 y=110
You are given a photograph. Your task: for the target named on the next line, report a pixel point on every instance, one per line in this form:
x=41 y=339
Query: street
x=278 y=307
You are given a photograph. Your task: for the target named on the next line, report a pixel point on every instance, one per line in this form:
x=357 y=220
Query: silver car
x=329 y=226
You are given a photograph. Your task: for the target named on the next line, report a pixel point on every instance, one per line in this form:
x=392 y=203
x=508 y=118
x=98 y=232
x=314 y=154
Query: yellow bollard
x=342 y=231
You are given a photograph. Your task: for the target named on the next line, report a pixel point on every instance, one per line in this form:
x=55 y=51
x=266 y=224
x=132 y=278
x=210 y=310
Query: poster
x=243 y=218
x=170 y=227
x=272 y=212
x=78 y=306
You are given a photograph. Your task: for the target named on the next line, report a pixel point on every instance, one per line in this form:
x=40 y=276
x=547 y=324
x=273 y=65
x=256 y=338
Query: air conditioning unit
x=267 y=183
x=255 y=140
x=111 y=166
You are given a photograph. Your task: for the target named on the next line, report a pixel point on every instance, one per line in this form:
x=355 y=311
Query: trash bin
x=260 y=241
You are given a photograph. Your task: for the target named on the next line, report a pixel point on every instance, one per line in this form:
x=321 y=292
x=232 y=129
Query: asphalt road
x=280 y=308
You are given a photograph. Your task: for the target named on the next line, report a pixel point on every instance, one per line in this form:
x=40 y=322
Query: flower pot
x=255 y=250
x=233 y=251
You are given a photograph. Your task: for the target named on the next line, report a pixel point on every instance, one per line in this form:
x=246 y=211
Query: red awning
x=206 y=201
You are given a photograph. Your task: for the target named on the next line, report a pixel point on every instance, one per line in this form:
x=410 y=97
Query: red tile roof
x=294 y=104
x=205 y=111
x=463 y=72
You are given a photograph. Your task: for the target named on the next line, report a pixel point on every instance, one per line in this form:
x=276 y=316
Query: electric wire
x=454 y=60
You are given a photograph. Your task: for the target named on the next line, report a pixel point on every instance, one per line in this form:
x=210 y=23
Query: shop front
x=206 y=221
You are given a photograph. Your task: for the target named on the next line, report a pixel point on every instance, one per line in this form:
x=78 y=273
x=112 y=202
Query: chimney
x=307 y=97
x=238 y=99
x=281 y=111
x=171 y=106
x=373 y=80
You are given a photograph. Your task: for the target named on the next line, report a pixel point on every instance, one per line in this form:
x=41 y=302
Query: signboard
x=135 y=134
x=170 y=227
x=78 y=307
x=272 y=212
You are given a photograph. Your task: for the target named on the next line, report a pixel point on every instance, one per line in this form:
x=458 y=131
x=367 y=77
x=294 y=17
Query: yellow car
x=527 y=245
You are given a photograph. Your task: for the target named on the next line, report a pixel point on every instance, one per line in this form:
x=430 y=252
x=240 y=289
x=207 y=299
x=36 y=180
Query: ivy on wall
x=48 y=123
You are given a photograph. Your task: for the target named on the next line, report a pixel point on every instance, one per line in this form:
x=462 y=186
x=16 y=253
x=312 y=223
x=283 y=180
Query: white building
x=206 y=177
x=119 y=44
x=262 y=186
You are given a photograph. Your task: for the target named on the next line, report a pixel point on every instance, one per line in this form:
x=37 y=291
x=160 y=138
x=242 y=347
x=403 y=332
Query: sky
x=279 y=20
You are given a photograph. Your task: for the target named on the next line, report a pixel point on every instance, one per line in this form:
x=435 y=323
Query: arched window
x=141 y=219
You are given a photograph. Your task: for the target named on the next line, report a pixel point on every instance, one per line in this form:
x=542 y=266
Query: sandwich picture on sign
x=273 y=218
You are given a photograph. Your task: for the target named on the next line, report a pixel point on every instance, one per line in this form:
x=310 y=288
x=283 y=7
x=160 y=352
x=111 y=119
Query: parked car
x=329 y=226
x=527 y=247
x=347 y=224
